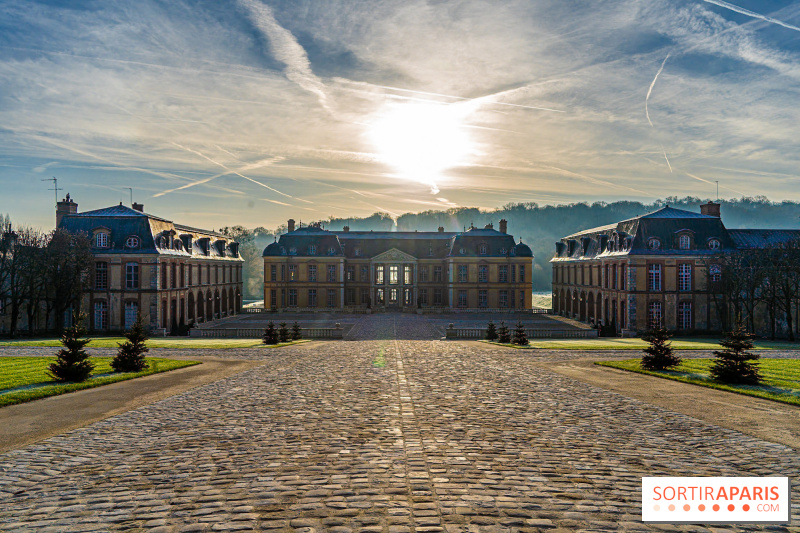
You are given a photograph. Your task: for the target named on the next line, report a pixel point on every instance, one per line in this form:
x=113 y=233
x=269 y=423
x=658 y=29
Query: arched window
x=714 y=244
x=357 y=252
x=483 y=249
x=132 y=242
x=312 y=249
x=654 y=244
x=684 y=243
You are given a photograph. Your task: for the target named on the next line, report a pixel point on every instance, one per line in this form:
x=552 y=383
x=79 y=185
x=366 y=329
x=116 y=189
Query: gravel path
x=391 y=433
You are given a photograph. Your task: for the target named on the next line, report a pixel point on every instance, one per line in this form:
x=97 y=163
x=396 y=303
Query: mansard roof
x=419 y=244
x=156 y=235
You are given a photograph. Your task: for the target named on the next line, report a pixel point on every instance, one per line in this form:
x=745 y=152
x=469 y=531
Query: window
x=462 y=251
x=394 y=274
x=101 y=275
x=654 y=315
x=407 y=297
x=331 y=298
x=190 y=270
x=522 y=273
x=483 y=249
x=101 y=240
x=292 y=251
x=331 y=251
x=292 y=297
x=131 y=242
x=351 y=273
x=483 y=298
x=684 y=277
x=273 y=299
x=183 y=275
x=174 y=276
x=512 y=298
x=101 y=314
x=503 y=274
x=379 y=296
x=430 y=250
x=312 y=272
x=422 y=273
x=437 y=274
x=462 y=298
x=684 y=242
x=312 y=249
x=654 y=278
x=483 y=273
x=714 y=244
x=331 y=272
x=393 y=296
x=365 y=296
x=654 y=244
x=312 y=297
x=423 y=296
x=685 y=315
x=131 y=277
x=273 y=273
x=283 y=272
x=716 y=273
x=462 y=273
x=503 y=251
x=350 y=296
x=357 y=252
x=407 y=275
x=131 y=312
x=503 y=298
x=293 y=273
x=364 y=273
x=514 y=273
x=379 y=275
x=437 y=297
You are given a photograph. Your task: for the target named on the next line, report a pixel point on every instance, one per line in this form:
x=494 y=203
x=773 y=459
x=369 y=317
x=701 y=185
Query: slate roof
x=122 y=222
x=632 y=237
x=367 y=244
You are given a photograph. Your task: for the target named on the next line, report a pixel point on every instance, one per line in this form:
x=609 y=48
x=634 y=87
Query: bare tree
x=69 y=260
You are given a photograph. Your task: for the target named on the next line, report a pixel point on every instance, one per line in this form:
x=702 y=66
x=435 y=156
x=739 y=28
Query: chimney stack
x=441 y=229
x=290 y=225
x=504 y=226
x=710 y=209
x=65 y=207
x=138 y=207
x=347 y=229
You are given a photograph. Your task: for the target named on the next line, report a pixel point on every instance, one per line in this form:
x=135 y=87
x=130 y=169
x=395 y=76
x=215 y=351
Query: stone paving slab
x=381 y=435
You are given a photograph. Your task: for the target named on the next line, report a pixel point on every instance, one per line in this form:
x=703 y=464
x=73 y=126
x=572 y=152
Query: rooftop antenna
x=55 y=188
x=130 y=189
x=717 y=182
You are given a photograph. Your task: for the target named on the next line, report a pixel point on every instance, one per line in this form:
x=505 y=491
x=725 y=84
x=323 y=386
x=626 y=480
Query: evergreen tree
x=296 y=333
x=659 y=355
x=270 y=334
x=491 y=331
x=503 y=333
x=71 y=363
x=130 y=354
x=732 y=365
x=520 y=337
x=283 y=332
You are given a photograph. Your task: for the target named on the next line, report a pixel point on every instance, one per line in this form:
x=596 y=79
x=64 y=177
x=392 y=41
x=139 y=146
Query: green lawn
x=163 y=342
x=781 y=377
x=32 y=371
x=614 y=343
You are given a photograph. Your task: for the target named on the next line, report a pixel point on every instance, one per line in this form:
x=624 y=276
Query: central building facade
x=314 y=268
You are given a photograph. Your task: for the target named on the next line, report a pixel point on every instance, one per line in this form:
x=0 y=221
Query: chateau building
x=652 y=270
x=173 y=275
x=481 y=268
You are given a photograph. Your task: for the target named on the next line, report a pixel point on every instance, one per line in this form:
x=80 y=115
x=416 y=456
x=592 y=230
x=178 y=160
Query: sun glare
x=420 y=141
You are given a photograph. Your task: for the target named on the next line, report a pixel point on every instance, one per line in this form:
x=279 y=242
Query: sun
x=421 y=140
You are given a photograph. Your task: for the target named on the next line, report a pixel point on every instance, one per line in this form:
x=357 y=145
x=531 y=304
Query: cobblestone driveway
x=394 y=432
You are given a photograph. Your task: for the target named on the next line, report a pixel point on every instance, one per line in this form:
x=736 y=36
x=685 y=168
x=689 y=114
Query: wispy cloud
x=749 y=13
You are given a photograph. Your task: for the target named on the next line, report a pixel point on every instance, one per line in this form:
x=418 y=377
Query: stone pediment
x=393 y=255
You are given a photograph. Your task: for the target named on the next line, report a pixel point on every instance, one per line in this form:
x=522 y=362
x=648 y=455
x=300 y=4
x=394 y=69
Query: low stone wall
x=257 y=333
x=453 y=332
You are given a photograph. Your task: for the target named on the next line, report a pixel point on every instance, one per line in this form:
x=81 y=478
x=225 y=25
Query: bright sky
x=221 y=112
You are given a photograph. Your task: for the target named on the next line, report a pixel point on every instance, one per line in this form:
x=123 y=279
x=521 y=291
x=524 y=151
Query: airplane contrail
x=698 y=178
x=667 y=158
x=650 y=90
x=753 y=14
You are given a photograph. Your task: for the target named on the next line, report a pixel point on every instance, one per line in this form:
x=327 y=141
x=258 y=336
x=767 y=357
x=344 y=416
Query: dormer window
x=331 y=251
x=312 y=249
x=714 y=244
x=503 y=251
x=132 y=242
x=357 y=251
x=684 y=242
x=462 y=251
x=101 y=240
x=292 y=251
x=483 y=249
x=654 y=244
